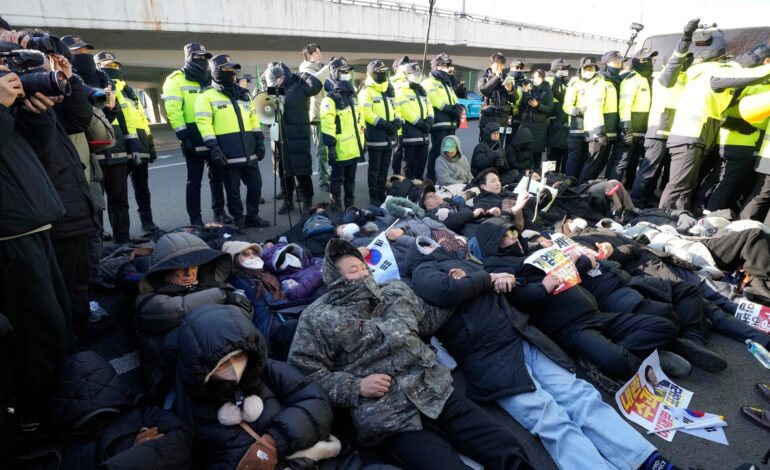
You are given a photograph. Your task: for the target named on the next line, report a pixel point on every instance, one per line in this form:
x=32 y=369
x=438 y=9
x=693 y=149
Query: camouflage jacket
x=358 y=329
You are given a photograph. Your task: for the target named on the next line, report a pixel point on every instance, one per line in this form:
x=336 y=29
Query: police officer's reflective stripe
x=131 y=136
x=124 y=105
x=201 y=148
x=377 y=144
x=203 y=114
x=411 y=139
x=241 y=159
x=189 y=88
x=180 y=128
x=220 y=103
x=442 y=124
x=172 y=98
x=141 y=155
x=209 y=137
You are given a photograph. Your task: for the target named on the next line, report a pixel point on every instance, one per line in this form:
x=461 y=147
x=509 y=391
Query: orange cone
x=755 y=108
x=463 y=120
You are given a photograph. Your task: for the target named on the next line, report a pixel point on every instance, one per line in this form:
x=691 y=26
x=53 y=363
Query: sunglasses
x=513 y=233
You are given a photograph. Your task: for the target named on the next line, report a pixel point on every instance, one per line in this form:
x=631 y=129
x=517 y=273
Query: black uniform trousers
x=140 y=180
x=462 y=427
x=734 y=173
x=73 y=258
x=415 y=159
x=643 y=189
x=598 y=154
x=436 y=137
x=625 y=160
x=195 y=165
x=343 y=176
x=398 y=158
x=758 y=207
x=558 y=155
x=115 y=184
x=302 y=183
x=615 y=341
x=685 y=163
x=577 y=152
x=251 y=177
x=748 y=248
x=34 y=298
x=377 y=173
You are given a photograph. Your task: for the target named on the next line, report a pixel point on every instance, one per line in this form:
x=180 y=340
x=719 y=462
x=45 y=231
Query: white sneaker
x=97 y=312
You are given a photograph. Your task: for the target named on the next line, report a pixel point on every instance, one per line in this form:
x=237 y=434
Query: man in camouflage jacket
x=361 y=343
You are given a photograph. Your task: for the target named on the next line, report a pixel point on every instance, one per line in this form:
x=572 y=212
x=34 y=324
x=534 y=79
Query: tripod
x=281 y=168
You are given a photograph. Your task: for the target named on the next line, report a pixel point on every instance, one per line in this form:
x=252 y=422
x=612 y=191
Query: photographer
x=499 y=94
x=535 y=107
x=32 y=292
x=294 y=158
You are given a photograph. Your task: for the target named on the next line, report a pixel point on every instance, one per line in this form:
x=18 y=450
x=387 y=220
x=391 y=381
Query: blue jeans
x=576 y=427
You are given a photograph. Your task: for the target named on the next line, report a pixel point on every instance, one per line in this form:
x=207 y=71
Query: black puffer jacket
x=297 y=414
x=485 y=333
x=550 y=313
x=28 y=198
x=296 y=118
x=63 y=165
x=498 y=101
x=95 y=424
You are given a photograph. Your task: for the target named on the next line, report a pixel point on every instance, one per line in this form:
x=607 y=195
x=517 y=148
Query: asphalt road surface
x=722 y=393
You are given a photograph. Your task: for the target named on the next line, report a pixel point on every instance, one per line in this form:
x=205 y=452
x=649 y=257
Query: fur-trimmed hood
x=400 y=207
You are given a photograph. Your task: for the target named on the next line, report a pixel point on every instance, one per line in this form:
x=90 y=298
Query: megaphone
x=265 y=107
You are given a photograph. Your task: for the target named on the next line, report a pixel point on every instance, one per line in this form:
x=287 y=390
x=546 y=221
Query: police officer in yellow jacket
x=575 y=106
x=666 y=90
x=342 y=127
x=377 y=100
x=738 y=143
x=446 y=110
x=180 y=91
x=709 y=91
x=397 y=80
x=601 y=115
x=758 y=206
x=227 y=120
x=558 y=127
x=140 y=149
x=417 y=114
x=633 y=110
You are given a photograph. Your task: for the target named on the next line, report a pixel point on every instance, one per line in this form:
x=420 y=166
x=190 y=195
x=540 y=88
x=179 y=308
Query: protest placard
x=568 y=245
x=754 y=314
x=553 y=261
x=647 y=398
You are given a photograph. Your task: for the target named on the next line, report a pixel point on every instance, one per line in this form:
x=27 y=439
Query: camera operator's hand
x=38 y=104
x=690 y=28
x=218 y=157
x=61 y=63
x=628 y=137
x=10 y=88
x=15 y=37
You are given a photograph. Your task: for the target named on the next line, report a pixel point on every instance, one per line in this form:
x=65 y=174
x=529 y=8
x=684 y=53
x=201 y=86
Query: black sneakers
x=699 y=355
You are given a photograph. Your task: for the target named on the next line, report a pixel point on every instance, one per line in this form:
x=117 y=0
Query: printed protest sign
x=381 y=260
x=754 y=314
x=568 y=245
x=553 y=261
x=647 y=398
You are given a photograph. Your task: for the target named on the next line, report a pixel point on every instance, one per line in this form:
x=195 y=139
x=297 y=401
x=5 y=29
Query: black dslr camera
x=44 y=43
x=28 y=65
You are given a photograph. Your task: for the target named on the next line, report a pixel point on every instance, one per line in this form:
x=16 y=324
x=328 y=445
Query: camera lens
x=95 y=96
x=47 y=83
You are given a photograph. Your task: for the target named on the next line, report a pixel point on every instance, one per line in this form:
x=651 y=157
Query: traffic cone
x=463 y=120
x=755 y=108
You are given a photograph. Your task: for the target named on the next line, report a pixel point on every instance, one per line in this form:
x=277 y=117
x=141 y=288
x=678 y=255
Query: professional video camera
x=28 y=65
x=44 y=43
x=97 y=97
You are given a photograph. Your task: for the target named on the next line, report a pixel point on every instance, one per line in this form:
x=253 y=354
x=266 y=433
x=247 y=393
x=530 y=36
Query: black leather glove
x=602 y=139
x=217 y=157
x=382 y=125
x=188 y=147
x=239 y=300
x=260 y=145
x=394 y=127
x=423 y=126
x=458 y=110
x=690 y=28
x=628 y=137
x=153 y=152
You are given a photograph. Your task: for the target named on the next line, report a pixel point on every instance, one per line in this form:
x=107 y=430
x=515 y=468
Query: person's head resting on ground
x=344 y=264
x=183 y=261
x=246 y=256
x=430 y=199
x=489 y=181
x=347 y=231
x=498 y=237
x=570 y=226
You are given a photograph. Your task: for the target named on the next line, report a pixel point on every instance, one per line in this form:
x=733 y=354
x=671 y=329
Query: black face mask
x=524 y=148
x=84 y=65
x=516 y=74
x=613 y=71
x=380 y=77
x=197 y=70
x=224 y=78
x=221 y=391
x=115 y=74
x=643 y=68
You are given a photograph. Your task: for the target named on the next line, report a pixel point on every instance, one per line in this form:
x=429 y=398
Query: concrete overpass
x=153 y=32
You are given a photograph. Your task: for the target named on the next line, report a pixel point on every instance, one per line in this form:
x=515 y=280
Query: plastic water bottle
x=759 y=352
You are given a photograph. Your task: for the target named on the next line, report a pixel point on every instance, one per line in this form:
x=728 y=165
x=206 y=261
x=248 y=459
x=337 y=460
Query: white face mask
x=252 y=263
x=346 y=77
x=291 y=261
x=349 y=231
x=587 y=75
x=562 y=73
x=537 y=81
